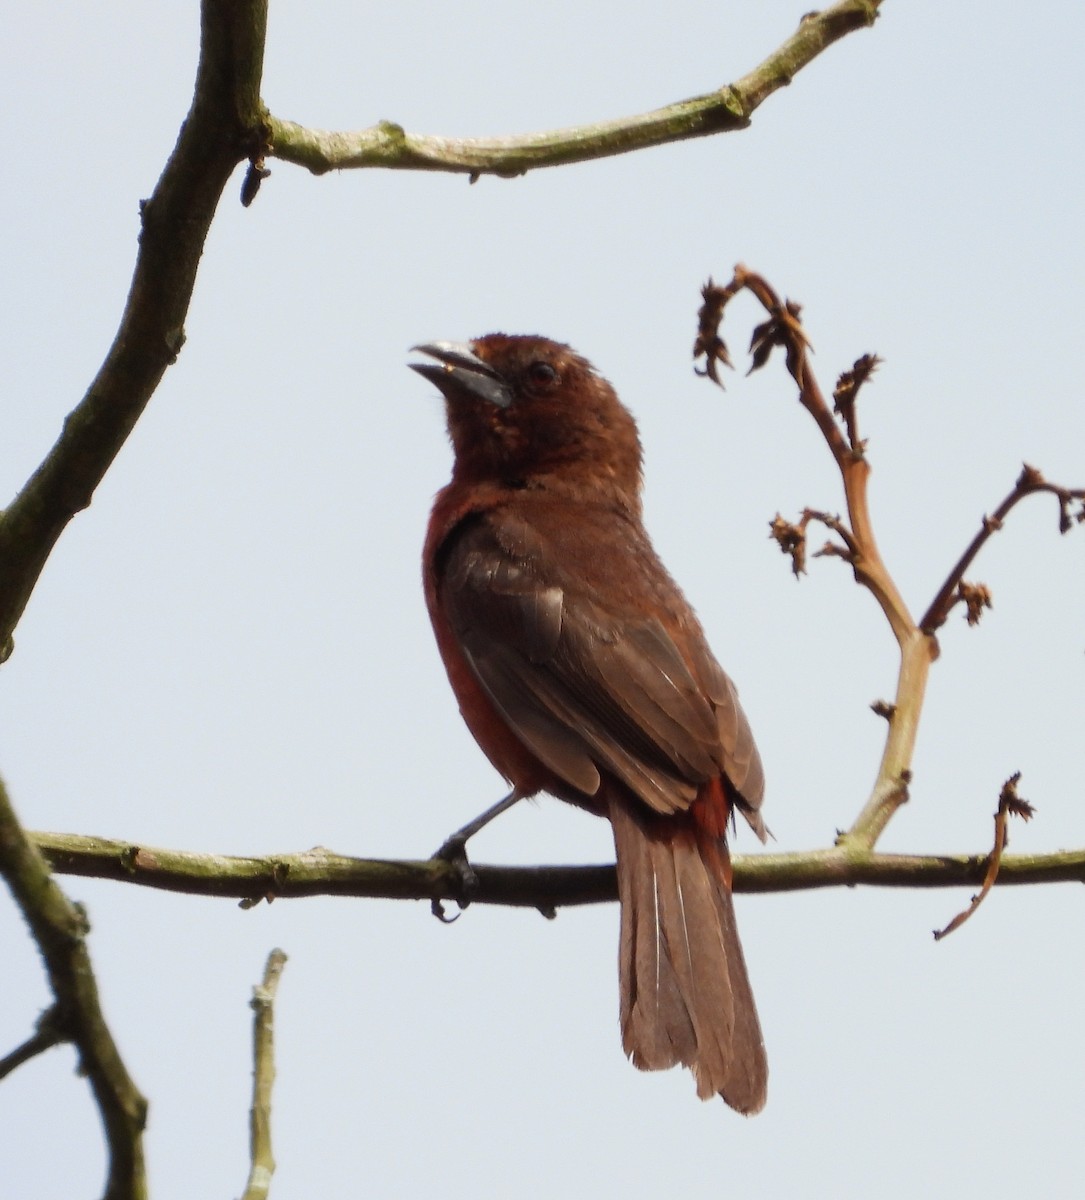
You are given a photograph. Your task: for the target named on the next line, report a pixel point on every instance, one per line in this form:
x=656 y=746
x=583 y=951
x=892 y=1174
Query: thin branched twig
x=856 y=545
x=1029 y=483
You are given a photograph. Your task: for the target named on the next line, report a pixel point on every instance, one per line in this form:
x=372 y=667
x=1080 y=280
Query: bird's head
x=526 y=411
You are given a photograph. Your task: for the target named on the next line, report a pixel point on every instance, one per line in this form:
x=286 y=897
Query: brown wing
x=586 y=687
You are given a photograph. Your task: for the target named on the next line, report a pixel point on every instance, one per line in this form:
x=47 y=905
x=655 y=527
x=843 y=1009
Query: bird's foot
x=454 y=852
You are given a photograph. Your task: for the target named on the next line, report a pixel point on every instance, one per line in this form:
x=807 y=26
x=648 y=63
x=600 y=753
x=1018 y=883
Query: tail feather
x=656 y=1028
x=685 y=994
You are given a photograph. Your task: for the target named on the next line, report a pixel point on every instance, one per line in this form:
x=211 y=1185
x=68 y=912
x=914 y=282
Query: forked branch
x=856 y=545
x=59 y=928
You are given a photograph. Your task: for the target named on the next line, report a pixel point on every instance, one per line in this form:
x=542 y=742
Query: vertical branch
x=59 y=927
x=918 y=649
x=219 y=131
x=890 y=789
x=222 y=125
x=263 y=1078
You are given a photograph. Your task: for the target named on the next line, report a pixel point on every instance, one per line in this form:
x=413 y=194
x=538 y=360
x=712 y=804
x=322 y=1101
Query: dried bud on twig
x=792 y=541
x=975 y=597
x=1030 y=479
x=783 y=328
x=847 y=391
x=1010 y=802
x=708 y=341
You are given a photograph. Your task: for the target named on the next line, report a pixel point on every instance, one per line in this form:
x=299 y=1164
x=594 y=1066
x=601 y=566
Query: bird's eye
x=542 y=374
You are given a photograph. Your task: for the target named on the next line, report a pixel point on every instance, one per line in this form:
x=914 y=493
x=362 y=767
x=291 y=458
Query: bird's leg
x=454 y=846
x=454 y=852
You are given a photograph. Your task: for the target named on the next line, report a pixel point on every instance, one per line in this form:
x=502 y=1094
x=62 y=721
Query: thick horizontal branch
x=320 y=872
x=731 y=107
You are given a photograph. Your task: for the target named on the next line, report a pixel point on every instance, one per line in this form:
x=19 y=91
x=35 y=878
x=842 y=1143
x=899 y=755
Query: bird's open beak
x=458 y=370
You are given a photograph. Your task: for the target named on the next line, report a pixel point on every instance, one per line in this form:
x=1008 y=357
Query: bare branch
x=1028 y=483
x=224 y=118
x=1010 y=804
x=321 y=872
x=59 y=927
x=730 y=108
x=50 y=1033
x=917 y=643
x=263 y=1078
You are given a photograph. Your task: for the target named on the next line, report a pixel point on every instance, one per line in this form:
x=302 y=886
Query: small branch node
x=1030 y=479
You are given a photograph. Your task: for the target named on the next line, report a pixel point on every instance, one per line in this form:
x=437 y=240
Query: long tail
x=685 y=994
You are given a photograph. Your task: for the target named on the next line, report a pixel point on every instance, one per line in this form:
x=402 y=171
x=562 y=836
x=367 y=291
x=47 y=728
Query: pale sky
x=229 y=650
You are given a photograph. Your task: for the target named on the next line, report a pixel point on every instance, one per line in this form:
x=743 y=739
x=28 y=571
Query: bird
x=583 y=672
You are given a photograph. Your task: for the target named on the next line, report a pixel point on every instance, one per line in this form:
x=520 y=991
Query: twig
x=263 y=1078
x=1009 y=804
x=846 y=393
x=1028 y=483
x=730 y=108
x=792 y=538
x=59 y=927
x=50 y=1033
